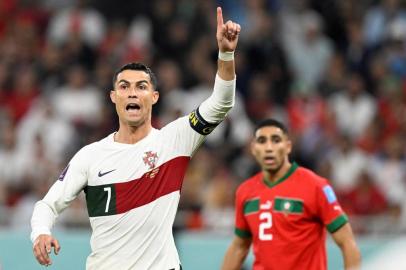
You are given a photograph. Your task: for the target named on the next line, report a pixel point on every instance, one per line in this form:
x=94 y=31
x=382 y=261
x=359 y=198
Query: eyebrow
x=137 y=83
x=273 y=136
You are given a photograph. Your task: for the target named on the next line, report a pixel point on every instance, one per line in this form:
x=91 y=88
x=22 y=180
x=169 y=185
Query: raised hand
x=227 y=33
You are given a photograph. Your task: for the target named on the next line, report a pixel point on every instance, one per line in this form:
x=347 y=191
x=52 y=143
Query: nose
x=132 y=92
x=269 y=146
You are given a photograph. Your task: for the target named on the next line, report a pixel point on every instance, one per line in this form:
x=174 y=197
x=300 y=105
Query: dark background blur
x=334 y=71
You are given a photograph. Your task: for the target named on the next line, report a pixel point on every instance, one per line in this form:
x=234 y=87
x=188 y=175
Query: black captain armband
x=200 y=125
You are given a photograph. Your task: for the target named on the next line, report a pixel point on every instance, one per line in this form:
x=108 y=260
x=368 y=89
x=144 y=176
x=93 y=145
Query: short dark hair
x=273 y=123
x=137 y=66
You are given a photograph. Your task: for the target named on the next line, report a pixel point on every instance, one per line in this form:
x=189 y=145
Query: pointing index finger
x=219 y=19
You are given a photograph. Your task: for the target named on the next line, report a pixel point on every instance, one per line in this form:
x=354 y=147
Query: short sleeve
x=241 y=226
x=329 y=209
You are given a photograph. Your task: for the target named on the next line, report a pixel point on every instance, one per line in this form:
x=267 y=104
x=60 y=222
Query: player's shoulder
x=92 y=149
x=180 y=121
x=310 y=177
x=176 y=126
x=249 y=184
x=84 y=155
x=94 y=146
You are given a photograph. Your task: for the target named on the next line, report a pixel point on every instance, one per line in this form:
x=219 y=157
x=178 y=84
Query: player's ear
x=113 y=96
x=155 y=97
x=288 y=146
x=252 y=146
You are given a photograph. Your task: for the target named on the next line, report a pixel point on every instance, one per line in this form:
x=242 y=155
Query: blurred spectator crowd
x=333 y=70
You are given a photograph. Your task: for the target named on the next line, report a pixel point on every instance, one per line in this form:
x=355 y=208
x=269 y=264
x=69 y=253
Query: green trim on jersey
x=283 y=178
x=251 y=206
x=337 y=223
x=288 y=205
x=242 y=233
x=97 y=199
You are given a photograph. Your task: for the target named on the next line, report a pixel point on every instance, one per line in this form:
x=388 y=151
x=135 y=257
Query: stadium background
x=333 y=70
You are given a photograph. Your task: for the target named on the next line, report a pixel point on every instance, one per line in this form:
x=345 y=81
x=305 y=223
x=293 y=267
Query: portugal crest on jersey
x=150 y=158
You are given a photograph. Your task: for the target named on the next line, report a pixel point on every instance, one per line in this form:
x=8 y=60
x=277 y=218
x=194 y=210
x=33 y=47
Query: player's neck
x=131 y=135
x=273 y=176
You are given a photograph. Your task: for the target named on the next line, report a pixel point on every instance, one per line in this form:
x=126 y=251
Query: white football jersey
x=133 y=190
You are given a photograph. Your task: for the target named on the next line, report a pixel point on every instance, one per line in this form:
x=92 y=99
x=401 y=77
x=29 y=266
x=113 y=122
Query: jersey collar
x=291 y=170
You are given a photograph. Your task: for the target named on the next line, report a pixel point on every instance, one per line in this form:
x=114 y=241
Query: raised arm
x=214 y=109
x=346 y=242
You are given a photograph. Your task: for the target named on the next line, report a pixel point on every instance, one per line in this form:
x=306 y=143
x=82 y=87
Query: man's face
x=271 y=148
x=134 y=96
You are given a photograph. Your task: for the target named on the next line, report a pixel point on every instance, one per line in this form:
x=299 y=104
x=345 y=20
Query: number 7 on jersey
x=108 y=189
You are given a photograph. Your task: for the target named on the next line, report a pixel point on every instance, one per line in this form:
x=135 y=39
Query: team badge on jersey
x=150 y=158
x=266 y=206
x=330 y=195
x=288 y=205
x=62 y=176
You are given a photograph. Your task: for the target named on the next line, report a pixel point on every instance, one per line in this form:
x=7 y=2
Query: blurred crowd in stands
x=333 y=70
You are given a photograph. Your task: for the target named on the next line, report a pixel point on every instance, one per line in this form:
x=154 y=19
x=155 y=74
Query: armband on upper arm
x=200 y=125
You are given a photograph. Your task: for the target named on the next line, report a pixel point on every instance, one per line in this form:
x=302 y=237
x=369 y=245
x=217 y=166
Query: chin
x=272 y=168
x=134 y=123
x=269 y=168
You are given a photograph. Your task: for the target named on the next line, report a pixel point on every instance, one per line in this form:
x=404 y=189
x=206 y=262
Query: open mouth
x=269 y=160
x=132 y=107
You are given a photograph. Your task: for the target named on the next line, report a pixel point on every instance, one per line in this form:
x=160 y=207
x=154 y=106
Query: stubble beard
x=138 y=122
x=277 y=168
x=135 y=124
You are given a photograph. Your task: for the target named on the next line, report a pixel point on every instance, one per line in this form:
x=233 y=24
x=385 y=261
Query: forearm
x=42 y=221
x=351 y=256
x=215 y=108
x=348 y=246
x=234 y=258
x=226 y=69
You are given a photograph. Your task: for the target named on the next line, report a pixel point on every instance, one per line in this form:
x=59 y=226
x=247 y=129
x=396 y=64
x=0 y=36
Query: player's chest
x=268 y=209
x=113 y=166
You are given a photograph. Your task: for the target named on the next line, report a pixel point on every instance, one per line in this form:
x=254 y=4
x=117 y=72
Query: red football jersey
x=286 y=219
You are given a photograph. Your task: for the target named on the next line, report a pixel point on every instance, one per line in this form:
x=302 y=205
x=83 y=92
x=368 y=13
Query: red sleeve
x=329 y=210
x=241 y=225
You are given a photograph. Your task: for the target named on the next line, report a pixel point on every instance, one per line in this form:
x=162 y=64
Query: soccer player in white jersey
x=132 y=178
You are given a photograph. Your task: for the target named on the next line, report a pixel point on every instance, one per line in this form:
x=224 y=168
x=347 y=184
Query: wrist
x=226 y=56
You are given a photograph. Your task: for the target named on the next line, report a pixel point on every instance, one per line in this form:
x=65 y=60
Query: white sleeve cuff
x=222 y=82
x=215 y=108
x=38 y=232
x=42 y=220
